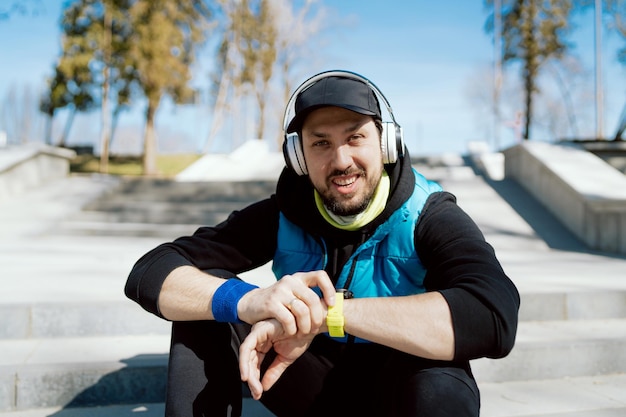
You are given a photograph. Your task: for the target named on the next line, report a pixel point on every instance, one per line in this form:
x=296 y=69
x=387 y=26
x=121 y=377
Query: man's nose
x=342 y=157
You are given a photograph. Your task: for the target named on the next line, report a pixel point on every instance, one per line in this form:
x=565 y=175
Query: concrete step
x=58 y=320
x=144 y=207
x=86 y=371
x=160 y=212
x=572 y=397
x=87 y=376
x=165 y=231
x=251 y=408
x=82 y=371
x=147 y=189
x=573 y=305
x=597 y=396
x=559 y=349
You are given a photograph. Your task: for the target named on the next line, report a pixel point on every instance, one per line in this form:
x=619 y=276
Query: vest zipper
x=348 y=294
x=346 y=286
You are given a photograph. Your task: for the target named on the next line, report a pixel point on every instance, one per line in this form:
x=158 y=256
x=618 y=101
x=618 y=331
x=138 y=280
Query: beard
x=351 y=204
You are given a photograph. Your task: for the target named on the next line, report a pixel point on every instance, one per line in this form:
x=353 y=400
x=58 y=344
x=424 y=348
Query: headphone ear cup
x=293 y=154
x=399 y=141
x=392 y=142
x=388 y=143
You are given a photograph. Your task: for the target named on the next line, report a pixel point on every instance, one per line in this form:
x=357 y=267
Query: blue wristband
x=226 y=298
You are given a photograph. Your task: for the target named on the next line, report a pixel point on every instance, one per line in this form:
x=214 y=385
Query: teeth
x=345 y=182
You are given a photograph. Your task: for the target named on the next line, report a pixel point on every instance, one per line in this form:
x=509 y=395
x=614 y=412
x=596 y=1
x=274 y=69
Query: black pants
x=330 y=379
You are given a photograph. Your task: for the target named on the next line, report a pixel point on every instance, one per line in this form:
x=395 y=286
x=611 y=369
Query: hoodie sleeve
x=463 y=267
x=246 y=240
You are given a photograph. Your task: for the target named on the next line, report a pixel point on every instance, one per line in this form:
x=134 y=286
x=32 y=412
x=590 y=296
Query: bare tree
x=295 y=30
x=568 y=76
x=616 y=10
x=246 y=57
x=261 y=43
x=533 y=31
x=18 y=114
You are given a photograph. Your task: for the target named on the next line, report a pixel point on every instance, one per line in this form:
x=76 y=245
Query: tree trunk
x=529 y=104
x=104 y=133
x=68 y=127
x=260 y=130
x=114 y=120
x=149 y=144
x=48 y=130
x=218 y=110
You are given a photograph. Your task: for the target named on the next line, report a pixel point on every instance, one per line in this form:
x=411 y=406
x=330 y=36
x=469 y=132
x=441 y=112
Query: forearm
x=418 y=324
x=187 y=294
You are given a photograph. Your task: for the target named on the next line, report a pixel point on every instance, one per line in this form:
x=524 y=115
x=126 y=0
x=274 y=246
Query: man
x=424 y=293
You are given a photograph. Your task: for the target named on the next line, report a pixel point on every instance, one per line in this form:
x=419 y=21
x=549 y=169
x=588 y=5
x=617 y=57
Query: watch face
x=346 y=293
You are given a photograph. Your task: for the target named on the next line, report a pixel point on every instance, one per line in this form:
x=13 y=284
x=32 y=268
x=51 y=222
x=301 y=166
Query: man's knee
x=440 y=392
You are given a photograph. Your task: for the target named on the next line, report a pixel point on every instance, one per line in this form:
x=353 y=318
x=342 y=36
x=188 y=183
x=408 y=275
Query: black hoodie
x=460 y=265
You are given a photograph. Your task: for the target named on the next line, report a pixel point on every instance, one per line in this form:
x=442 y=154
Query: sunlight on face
x=343 y=157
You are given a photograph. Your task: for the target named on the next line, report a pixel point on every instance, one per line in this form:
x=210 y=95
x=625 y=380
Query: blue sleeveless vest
x=384 y=265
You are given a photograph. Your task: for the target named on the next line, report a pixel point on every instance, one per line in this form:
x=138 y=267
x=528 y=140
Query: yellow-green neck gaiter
x=374 y=208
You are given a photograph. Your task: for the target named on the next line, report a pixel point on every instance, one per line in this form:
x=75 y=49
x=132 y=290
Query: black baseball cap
x=348 y=93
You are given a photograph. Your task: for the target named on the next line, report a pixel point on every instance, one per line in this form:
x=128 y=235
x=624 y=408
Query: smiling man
x=385 y=289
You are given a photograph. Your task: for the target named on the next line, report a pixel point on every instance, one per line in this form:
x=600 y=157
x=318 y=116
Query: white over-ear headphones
x=392 y=142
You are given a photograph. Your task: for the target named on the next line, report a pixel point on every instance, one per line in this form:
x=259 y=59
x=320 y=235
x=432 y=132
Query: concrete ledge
x=26 y=167
x=490 y=164
x=83 y=371
x=579 y=188
x=559 y=349
x=612 y=152
x=603 y=396
x=575 y=305
x=56 y=320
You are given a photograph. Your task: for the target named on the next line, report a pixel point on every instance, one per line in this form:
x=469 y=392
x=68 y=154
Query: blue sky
x=430 y=59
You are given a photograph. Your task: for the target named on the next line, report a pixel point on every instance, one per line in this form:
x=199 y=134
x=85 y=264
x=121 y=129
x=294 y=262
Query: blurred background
x=144 y=79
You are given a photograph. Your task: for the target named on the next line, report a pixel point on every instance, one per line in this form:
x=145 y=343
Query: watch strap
x=335 y=320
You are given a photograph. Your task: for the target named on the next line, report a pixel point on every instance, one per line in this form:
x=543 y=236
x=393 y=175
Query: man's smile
x=345 y=184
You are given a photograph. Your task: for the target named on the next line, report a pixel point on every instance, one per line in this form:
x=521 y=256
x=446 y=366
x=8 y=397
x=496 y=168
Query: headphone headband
x=334 y=73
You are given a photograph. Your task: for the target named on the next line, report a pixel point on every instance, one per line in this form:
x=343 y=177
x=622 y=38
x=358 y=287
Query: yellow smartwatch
x=335 y=320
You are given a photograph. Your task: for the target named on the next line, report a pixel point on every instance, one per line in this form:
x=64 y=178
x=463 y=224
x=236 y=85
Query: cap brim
x=296 y=123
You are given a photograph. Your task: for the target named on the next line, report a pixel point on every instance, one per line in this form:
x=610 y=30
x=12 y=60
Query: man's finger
x=246 y=350
x=301 y=312
x=256 y=389
x=287 y=319
x=321 y=280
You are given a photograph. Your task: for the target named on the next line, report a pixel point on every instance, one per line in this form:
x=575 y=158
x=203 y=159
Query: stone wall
x=25 y=167
x=612 y=152
x=585 y=193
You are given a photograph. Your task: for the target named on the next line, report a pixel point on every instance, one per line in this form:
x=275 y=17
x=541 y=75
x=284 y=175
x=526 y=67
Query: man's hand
x=263 y=336
x=291 y=301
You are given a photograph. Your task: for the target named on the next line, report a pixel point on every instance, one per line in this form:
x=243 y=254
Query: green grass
x=167 y=165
